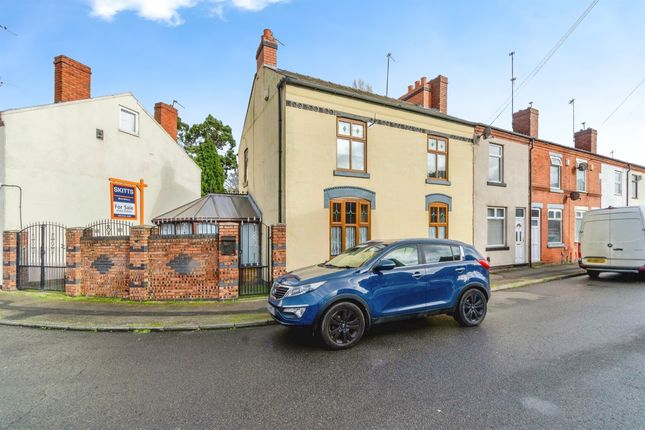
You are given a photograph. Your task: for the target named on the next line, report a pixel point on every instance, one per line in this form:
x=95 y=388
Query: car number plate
x=596 y=260
x=271 y=309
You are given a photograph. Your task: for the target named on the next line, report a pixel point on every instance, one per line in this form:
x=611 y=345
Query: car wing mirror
x=385 y=264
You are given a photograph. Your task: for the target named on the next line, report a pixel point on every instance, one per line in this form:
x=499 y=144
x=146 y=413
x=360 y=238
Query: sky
x=202 y=53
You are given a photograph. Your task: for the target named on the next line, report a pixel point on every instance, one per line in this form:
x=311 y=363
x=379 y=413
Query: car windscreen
x=356 y=257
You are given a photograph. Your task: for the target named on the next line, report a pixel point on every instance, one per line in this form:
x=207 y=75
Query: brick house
x=339 y=165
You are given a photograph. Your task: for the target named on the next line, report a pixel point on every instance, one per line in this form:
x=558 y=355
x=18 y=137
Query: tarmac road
x=565 y=354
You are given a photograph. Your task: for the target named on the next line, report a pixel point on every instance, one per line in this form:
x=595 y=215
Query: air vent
x=99 y=134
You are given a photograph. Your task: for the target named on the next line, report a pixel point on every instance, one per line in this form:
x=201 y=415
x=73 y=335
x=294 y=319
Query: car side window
x=456 y=252
x=437 y=253
x=404 y=256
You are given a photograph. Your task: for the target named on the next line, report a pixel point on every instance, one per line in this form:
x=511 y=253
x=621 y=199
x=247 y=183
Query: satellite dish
x=575 y=195
x=583 y=166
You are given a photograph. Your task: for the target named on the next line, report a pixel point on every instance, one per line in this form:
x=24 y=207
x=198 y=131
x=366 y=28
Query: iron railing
x=107 y=228
x=41 y=257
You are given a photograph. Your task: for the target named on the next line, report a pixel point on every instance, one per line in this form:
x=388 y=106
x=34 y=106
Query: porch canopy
x=214 y=208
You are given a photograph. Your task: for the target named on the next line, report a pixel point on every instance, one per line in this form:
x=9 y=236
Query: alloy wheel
x=344 y=326
x=474 y=307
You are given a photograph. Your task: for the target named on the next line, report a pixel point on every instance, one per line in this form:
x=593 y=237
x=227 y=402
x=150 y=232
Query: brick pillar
x=74 y=266
x=138 y=262
x=227 y=250
x=278 y=250
x=9 y=260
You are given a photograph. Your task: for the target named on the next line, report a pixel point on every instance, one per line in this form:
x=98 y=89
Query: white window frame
x=136 y=120
x=551 y=217
x=495 y=217
x=618 y=182
x=500 y=160
x=634 y=189
x=579 y=214
x=584 y=175
x=556 y=161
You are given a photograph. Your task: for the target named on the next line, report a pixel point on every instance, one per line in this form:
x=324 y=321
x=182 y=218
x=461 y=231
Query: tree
x=212 y=146
x=362 y=85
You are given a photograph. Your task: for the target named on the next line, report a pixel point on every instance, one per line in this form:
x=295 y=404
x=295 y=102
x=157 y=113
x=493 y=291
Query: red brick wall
x=166 y=116
x=104 y=267
x=526 y=122
x=9 y=260
x=541 y=193
x=267 y=52
x=439 y=88
x=229 y=274
x=278 y=250
x=74 y=264
x=71 y=80
x=183 y=268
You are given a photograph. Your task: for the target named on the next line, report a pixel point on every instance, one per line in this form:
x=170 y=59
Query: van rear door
x=595 y=238
x=627 y=245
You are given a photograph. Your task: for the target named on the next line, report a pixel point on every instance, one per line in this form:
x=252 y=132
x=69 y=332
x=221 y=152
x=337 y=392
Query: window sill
x=437 y=181
x=496 y=184
x=556 y=190
x=497 y=248
x=555 y=245
x=130 y=133
x=351 y=174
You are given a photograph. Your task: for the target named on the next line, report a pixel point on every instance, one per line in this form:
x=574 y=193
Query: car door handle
x=617 y=249
x=459 y=270
x=417 y=275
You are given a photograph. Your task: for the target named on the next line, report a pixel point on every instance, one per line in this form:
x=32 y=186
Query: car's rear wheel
x=342 y=326
x=471 y=309
x=593 y=274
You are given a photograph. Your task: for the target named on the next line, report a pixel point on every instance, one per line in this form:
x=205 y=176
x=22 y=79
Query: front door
x=401 y=290
x=535 y=235
x=519 y=236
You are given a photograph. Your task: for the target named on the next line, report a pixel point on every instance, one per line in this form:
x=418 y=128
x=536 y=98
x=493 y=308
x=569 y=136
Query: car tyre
x=593 y=274
x=342 y=326
x=471 y=309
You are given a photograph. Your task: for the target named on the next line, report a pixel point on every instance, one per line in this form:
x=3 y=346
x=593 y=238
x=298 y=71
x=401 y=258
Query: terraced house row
x=339 y=166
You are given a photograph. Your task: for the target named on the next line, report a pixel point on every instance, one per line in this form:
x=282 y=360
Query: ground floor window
x=579 y=214
x=349 y=224
x=438 y=225
x=554 y=226
x=187 y=228
x=496 y=219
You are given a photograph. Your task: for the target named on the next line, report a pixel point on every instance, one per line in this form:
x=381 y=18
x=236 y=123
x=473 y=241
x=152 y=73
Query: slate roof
x=214 y=207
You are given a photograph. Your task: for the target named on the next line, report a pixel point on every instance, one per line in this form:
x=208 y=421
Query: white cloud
x=167 y=11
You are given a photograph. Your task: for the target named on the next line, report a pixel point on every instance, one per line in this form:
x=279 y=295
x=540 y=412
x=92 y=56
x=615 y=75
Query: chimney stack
x=166 y=115
x=267 y=52
x=586 y=139
x=429 y=94
x=526 y=122
x=71 y=80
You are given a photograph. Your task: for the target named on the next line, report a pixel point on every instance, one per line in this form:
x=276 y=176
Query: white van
x=613 y=240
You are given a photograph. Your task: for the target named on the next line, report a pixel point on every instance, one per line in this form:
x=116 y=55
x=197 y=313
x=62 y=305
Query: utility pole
x=512 y=55
x=572 y=102
x=387 y=77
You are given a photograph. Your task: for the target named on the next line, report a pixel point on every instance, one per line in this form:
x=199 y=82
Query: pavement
x=566 y=354
x=56 y=311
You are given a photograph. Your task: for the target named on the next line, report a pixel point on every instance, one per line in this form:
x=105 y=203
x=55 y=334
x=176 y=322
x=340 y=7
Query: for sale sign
x=124 y=201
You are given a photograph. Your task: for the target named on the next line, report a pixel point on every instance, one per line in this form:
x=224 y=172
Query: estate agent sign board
x=124 y=203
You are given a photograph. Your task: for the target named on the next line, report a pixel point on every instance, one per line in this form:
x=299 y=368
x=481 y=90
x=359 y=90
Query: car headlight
x=302 y=289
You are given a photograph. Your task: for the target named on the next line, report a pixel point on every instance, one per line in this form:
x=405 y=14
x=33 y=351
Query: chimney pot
x=166 y=116
x=417 y=84
x=424 y=80
x=410 y=88
x=72 y=80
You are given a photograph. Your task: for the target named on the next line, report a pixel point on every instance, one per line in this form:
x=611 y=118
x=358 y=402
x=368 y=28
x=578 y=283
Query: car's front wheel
x=593 y=274
x=342 y=326
x=471 y=309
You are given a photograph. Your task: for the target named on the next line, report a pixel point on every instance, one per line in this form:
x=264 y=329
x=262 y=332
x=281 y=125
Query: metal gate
x=255 y=259
x=41 y=257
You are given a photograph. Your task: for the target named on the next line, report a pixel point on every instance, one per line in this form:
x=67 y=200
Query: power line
x=4 y=27
x=546 y=58
x=624 y=100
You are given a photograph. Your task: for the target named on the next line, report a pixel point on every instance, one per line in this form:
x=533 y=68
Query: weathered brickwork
x=166 y=116
x=229 y=275
x=73 y=269
x=104 y=267
x=9 y=260
x=183 y=268
x=138 y=262
x=278 y=250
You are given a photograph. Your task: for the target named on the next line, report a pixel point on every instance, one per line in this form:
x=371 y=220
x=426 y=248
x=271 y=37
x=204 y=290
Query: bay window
x=349 y=224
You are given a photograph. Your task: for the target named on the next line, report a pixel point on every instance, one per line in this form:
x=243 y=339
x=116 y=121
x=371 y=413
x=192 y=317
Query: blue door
x=444 y=271
x=401 y=290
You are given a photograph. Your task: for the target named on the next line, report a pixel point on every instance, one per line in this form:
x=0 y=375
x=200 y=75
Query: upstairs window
x=351 y=145
x=128 y=120
x=581 y=177
x=618 y=182
x=555 y=172
x=634 y=188
x=437 y=157
x=349 y=222
x=246 y=166
x=495 y=162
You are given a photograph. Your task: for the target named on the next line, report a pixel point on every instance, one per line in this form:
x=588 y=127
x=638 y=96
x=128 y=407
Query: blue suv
x=380 y=281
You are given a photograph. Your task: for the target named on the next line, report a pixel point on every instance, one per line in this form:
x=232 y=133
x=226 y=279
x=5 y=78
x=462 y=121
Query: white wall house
x=63 y=154
x=622 y=186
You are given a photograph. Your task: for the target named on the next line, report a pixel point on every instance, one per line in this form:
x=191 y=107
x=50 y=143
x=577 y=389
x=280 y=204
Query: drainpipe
x=629 y=171
x=279 y=87
x=530 y=217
